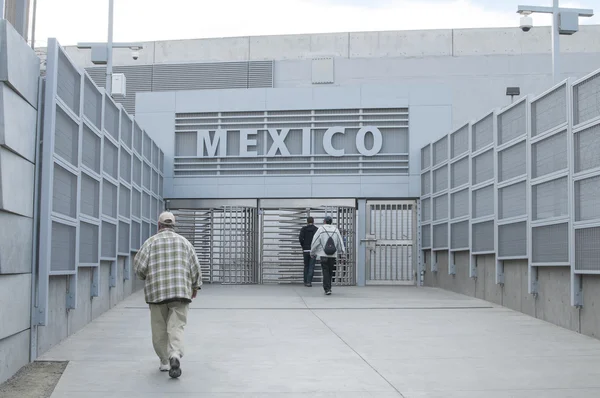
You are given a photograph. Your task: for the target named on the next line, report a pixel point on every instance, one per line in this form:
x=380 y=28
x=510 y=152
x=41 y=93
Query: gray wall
x=551 y=304
x=19 y=73
x=76 y=286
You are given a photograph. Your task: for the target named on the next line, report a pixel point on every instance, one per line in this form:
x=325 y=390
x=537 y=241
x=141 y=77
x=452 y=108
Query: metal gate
x=226 y=241
x=391 y=250
x=281 y=254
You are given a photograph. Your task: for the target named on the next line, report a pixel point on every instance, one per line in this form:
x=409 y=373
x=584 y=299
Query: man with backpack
x=326 y=244
x=307 y=234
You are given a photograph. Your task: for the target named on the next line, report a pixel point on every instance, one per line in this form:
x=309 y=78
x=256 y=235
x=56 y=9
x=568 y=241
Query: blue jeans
x=309 y=268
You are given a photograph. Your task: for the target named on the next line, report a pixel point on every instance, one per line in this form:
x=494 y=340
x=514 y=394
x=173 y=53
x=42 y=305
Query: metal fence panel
x=440 y=208
x=440 y=151
x=483 y=133
x=550 y=244
x=512 y=123
x=550 y=199
x=587 y=199
x=483 y=202
x=459 y=142
x=549 y=111
x=549 y=155
x=512 y=240
x=440 y=236
x=426 y=210
x=512 y=201
x=460 y=204
x=459 y=235
x=440 y=179
x=459 y=173
x=587 y=147
x=426 y=157
x=586 y=95
x=483 y=237
x=512 y=162
x=483 y=167
x=81 y=196
x=587 y=249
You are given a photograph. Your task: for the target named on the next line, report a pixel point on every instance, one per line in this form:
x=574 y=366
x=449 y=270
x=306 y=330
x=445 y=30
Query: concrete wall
x=389 y=44
x=62 y=322
x=474 y=65
x=19 y=72
x=552 y=304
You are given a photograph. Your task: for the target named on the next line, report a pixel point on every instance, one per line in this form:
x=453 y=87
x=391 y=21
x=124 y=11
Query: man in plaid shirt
x=167 y=262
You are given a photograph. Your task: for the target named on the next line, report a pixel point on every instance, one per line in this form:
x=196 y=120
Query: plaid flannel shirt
x=167 y=262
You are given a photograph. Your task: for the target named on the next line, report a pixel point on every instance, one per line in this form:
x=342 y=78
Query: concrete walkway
x=285 y=341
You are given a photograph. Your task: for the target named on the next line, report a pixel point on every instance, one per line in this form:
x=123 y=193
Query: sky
x=72 y=21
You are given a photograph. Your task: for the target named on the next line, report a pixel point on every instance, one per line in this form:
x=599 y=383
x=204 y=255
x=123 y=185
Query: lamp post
x=565 y=21
x=102 y=53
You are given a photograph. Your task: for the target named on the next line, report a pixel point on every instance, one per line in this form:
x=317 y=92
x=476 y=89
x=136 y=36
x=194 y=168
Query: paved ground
x=284 y=341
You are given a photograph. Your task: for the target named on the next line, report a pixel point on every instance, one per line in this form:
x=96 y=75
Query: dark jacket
x=306 y=236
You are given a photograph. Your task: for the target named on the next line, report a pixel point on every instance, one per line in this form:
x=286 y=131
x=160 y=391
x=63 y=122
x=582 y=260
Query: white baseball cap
x=166 y=218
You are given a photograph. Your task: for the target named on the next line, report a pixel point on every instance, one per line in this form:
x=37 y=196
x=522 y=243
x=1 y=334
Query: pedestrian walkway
x=287 y=341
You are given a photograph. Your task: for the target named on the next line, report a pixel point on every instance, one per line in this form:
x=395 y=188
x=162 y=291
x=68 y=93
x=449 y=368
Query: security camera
x=135 y=52
x=526 y=23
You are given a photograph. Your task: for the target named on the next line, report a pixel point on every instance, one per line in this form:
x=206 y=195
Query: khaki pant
x=168 y=321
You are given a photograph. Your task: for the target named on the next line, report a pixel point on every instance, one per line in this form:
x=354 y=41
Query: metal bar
x=33 y=23
x=109 y=46
x=582 y=12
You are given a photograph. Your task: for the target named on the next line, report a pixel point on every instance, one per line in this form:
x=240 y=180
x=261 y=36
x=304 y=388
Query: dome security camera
x=526 y=23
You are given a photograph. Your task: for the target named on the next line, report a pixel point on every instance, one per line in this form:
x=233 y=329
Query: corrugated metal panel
x=203 y=76
x=260 y=74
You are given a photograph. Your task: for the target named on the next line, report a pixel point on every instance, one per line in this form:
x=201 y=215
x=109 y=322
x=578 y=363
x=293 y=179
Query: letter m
x=208 y=145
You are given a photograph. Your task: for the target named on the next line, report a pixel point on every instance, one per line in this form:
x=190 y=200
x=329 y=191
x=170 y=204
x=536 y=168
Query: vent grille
x=192 y=76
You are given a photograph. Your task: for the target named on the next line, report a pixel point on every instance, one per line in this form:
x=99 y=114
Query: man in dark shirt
x=306 y=236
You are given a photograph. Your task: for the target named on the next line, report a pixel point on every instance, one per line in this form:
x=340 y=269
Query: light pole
x=565 y=21
x=102 y=53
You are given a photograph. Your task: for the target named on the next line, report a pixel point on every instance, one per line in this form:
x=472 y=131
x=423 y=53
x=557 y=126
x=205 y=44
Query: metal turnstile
x=281 y=259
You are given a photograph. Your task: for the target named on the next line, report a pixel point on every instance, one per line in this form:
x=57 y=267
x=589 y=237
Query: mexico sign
x=215 y=145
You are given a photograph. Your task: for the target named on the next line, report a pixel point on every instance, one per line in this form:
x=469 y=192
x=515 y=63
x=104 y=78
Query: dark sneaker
x=175 y=370
x=328 y=292
x=308 y=284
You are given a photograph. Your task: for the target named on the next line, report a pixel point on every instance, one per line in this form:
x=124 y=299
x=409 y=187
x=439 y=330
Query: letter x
x=278 y=143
